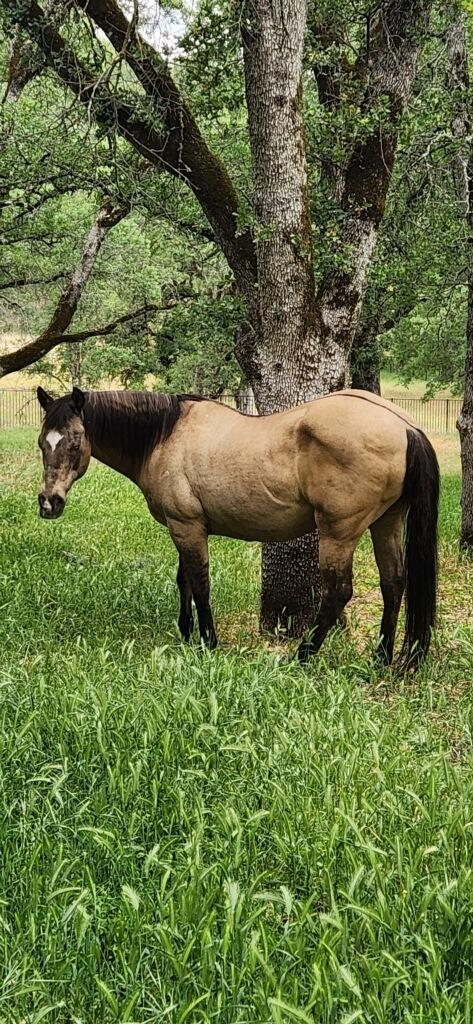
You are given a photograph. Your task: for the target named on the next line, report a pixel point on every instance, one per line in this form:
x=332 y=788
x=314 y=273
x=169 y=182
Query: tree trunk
x=463 y=177
x=365 y=360
x=300 y=345
x=75 y=358
x=465 y=427
x=279 y=356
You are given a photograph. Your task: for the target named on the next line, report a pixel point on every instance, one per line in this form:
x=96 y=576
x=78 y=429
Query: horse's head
x=65 y=447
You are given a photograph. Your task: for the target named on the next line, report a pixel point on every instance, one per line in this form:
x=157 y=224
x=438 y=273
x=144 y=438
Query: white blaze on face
x=53 y=438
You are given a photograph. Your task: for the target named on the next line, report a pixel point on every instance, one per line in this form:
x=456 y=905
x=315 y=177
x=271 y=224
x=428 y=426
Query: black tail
x=421 y=494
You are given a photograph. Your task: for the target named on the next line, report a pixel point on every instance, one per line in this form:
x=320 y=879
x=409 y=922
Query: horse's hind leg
x=336 y=565
x=186 y=620
x=192 y=544
x=386 y=534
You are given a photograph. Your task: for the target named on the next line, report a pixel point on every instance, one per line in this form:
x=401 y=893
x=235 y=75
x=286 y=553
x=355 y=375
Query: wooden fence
x=19 y=408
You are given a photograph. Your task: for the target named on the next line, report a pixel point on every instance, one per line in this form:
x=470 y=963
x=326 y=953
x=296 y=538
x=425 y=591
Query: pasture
x=228 y=837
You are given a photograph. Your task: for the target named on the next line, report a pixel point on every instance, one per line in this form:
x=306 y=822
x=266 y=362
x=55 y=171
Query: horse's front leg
x=191 y=542
x=186 y=619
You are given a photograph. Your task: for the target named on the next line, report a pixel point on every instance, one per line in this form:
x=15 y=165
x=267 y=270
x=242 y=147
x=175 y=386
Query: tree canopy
x=58 y=164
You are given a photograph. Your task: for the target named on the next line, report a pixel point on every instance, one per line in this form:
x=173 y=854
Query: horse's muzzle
x=51 y=507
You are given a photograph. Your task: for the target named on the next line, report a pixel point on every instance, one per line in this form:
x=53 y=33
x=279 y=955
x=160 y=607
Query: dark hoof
x=208 y=640
x=382 y=656
x=305 y=651
x=186 y=626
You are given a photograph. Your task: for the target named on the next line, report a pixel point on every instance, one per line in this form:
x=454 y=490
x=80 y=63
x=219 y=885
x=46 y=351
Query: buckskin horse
x=343 y=463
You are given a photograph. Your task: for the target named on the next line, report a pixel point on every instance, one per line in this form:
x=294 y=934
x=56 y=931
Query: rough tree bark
x=278 y=357
x=20 y=69
x=24 y=65
x=397 y=31
x=465 y=420
x=299 y=342
x=365 y=358
x=463 y=176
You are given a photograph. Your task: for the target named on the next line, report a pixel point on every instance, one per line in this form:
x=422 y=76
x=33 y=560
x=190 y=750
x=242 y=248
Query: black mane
x=133 y=421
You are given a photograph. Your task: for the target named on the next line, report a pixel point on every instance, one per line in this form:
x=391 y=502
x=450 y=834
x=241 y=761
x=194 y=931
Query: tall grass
x=195 y=837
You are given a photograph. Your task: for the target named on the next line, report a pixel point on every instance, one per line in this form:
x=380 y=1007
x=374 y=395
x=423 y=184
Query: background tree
x=300 y=317
x=463 y=175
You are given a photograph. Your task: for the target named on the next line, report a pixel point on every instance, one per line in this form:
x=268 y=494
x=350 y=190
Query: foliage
x=56 y=166
x=189 y=836
x=416 y=296
x=430 y=343
x=55 y=172
x=188 y=346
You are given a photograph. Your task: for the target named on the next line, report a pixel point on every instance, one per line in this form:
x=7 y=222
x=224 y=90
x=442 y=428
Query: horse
x=341 y=464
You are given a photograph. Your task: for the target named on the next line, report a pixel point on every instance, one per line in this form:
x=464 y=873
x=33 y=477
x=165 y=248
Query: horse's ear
x=78 y=398
x=44 y=399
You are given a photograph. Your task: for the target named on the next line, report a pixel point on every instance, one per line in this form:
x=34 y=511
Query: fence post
x=447 y=415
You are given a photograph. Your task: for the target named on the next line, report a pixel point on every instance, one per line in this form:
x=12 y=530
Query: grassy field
x=222 y=838
x=392 y=386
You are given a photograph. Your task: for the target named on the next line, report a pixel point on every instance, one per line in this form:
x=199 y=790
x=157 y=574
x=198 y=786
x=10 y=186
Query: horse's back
x=355 y=421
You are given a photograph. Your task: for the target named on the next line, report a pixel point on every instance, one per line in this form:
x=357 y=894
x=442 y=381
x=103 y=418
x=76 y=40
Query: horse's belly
x=270 y=525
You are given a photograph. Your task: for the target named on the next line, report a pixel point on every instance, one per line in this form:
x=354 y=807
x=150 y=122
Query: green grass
x=194 y=837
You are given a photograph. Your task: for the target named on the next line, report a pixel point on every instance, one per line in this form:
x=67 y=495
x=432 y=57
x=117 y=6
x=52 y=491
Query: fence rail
x=19 y=408
x=437 y=415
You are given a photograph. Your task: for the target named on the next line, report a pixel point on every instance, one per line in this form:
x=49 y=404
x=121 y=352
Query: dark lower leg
x=386 y=534
x=191 y=541
x=201 y=592
x=186 y=620
x=392 y=591
x=336 y=592
x=198 y=571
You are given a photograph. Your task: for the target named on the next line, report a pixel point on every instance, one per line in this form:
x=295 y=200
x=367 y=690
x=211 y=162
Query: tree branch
x=185 y=151
x=180 y=149
x=63 y=314
x=397 y=33
x=101 y=332
x=455 y=42
x=22 y=282
x=330 y=74
x=22 y=356
x=22 y=68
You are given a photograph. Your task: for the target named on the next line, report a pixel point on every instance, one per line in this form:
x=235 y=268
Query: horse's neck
x=113 y=458
x=108 y=448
